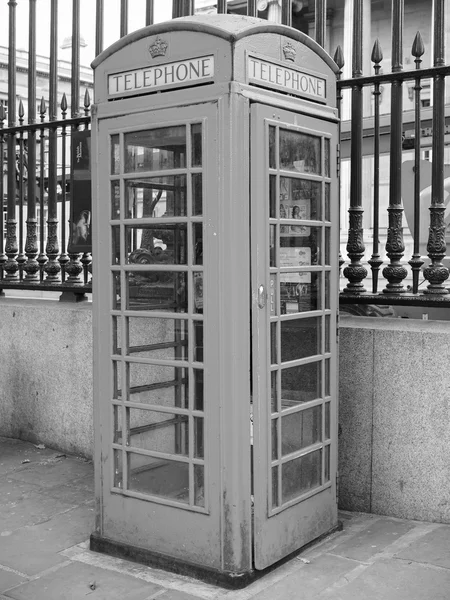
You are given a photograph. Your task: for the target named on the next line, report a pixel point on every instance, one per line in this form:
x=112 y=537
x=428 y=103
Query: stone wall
x=46 y=373
x=394 y=442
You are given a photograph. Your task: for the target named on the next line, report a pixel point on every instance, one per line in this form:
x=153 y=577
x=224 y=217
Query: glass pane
x=118 y=469
x=301 y=475
x=197 y=194
x=327 y=463
x=300 y=292
x=300 y=152
x=117 y=419
x=198 y=389
x=199 y=485
x=156 y=244
x=273 y=245
x=273 y=197
x=327 y=202
x=327 y=333
x=273 y=295
x=157 y=290
x=198 y=292
x=158 y=477
x=274 y=439
x=274 y=487
x=327 y=289
x=158 y=385
x=198 y=438
x=301 y=429
x=115 y=155
x=301 y=384
x=300 y=338
x=272 y=148
x=117 y=380
x=158 y=432
x=116 y=335
x=156 y=149
x=327 y=378
x=273 y=343
x=165 y=339
x=327 y=157
x=115 y=200
x=327 y=421
x=301 y=249
x=115 y=236
x=327 y=246
x=156 y=197
x=197 y=243
x=300 y=199
x=198 y=341
x=274 y=391
x=196 y=144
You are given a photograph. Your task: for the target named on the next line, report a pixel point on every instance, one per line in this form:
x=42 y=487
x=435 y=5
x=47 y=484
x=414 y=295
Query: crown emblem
x=159 y=48
x=289 y=52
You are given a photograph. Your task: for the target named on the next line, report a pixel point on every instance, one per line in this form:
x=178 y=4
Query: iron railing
x=35 y=155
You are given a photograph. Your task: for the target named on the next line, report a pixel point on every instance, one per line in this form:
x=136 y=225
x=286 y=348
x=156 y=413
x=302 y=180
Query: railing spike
x=87 y=99
x=42 y=108
x=2 y=113
x=339 y=57
x=21 y=111
x=377 y=53
x=64 y=105
x=418 y=47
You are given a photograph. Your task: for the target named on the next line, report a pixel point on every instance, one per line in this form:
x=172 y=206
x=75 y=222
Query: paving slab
x=84 y=582
x=35 y=548
x=433 y=548
x=9 y=580
x=48 y=473
x=374 y=539
x=177 y=595
x=309 y=580
x=393 y=579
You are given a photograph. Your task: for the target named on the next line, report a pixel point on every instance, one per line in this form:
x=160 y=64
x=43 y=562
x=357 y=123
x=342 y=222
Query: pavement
x=47 y=515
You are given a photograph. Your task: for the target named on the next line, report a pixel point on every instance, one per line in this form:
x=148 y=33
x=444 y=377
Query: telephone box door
x=294 y=267
x=157 y=430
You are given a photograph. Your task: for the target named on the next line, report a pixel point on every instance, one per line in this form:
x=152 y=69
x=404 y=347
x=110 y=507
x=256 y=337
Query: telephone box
x=215 y=274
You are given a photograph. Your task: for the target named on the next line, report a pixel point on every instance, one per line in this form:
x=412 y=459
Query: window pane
x=116 y=335
x=301 y=248
x=300 y=199
x=196 y=145
x=197 y=243
x=199 y=485
x=157 y=338
x=197 y=194
x=115 y=200
x=272 y=148
x=274 y=391
x=301 y=384
x=327 y=421
x=118 y=426
x=115 y=251
x=156 y=244
x=300 y=292
x=327 y=202
x=300 y=152
x=156 y=197
x=198 y=292
x=116 y=291
x=158 y=432
x=301 y=475
x=300 y=338
x=327 y=462
x=156 y=149
x=199 y=451
x=158 y=385
x=157 y=290
x=273 y=197
x=301 y=429
x=273 y=343
x=158 y=477
x=118 y=469
x=115 y=155
x=274 y=487
x=273 y=295
x=198 y=389
x=327 y=157
x=198 y=341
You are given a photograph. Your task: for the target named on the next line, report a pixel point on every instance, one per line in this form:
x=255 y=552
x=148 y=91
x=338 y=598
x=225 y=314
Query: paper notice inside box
x=295 y=257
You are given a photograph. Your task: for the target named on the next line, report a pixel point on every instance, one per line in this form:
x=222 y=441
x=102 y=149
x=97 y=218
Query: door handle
x=262 y=296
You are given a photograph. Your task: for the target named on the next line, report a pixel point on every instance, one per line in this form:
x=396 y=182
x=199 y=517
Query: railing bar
x=21 y=257
x=356 y=272
x=395 y=272
x=41 y=259
x=75 y=75
x=320 y=20
x=252 y=10
x=149 y=12
x=436 y=273
x=123 y=18
x=11 y=266
x=99 y=21
x=63 y=258
x=222 y=7
x=2 y=191
x=286 y=12
x=54 y=124
x=397 y=76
